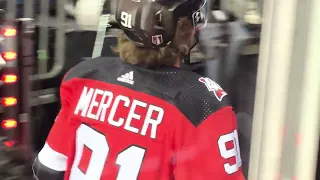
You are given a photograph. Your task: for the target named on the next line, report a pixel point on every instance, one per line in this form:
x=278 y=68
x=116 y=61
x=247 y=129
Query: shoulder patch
x=214 y=87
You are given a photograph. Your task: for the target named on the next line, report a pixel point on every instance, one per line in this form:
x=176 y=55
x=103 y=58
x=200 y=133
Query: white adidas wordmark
x=127 y=78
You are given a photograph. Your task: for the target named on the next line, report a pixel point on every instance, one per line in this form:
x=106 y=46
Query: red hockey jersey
x=124 y=122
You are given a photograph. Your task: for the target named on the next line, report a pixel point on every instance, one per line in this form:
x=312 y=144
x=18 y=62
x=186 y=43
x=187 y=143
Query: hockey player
x=141 y=117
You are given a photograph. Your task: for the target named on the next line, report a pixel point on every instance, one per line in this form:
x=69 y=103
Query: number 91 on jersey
x=130 y=158
x=230 y=153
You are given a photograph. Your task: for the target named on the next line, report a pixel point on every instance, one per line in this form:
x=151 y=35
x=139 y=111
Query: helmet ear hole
x=184 y=36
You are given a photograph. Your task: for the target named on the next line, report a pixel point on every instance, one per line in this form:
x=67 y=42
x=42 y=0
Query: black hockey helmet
x=152 y=23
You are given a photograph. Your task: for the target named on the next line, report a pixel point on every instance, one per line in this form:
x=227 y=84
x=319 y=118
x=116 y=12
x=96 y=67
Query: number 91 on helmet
x=153 y=23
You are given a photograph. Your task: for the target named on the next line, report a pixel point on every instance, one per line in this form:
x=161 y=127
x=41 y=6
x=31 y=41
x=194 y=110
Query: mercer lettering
x=84 y=101
x=119 y=111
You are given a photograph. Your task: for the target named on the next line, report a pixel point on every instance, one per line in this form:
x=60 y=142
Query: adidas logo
x=126 y=78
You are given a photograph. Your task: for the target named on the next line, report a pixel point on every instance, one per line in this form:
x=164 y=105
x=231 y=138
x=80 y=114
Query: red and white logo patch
x=213 y=86
x=157 y=40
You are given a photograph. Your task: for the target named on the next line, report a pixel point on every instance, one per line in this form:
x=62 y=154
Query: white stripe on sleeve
x=52 y=159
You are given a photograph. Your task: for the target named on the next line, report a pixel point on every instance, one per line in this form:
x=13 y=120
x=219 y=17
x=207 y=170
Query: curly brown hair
x=169 y=55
